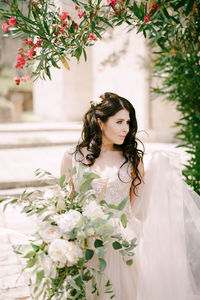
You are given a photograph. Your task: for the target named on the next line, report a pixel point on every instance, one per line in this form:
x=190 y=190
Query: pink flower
x=80 y=15
x=39 y=43
x=17 y=80
x=93 y=37
x=20 y=62
x=153 y=6
x=146 y=19
x=64 y=15
x=5 y=27
x=76 y=25
x=33 y=48
x=112 y=2
x=28 y=41
x=24 y=78
x=29 y=54
x=12 y=21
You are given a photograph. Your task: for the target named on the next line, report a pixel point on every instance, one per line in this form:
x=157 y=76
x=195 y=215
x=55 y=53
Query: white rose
x=49 y=194
x=73 y=253
x=69 y=220
x=57 y=252
x=93 y=211
x=63 y=252
x=48 y=232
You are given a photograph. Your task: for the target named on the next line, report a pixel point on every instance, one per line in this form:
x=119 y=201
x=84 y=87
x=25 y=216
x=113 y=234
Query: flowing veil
x=168 y=214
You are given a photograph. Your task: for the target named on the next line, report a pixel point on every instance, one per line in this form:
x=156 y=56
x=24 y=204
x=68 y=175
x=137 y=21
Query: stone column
x=66 y=96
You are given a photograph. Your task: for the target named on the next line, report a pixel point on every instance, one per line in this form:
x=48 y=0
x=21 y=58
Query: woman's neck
x=107 y=147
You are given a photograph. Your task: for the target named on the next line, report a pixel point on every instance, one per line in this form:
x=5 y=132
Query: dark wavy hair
x=91 y=137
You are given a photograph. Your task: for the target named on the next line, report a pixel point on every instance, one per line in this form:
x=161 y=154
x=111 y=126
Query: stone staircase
x=26 y=147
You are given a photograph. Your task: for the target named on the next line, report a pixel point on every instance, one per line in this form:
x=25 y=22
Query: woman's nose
x=126 y=128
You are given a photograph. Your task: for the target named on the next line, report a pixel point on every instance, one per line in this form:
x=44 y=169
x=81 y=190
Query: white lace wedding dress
x=165 y=218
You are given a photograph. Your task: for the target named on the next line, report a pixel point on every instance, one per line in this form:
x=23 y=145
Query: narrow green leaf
x=124 y=220
x=102 y=264
x=62 y=180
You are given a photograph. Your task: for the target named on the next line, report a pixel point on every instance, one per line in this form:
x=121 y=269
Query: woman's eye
x=119 y=122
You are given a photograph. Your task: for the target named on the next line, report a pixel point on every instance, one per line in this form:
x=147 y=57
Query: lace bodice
x=108 y=186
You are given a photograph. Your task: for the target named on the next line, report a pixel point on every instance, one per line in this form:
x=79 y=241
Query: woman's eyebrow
x=123 y=120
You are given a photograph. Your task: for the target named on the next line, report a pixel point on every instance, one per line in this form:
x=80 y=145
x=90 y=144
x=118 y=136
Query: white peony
x=73 y=253
x=64 y=252
x=48 y=232
x=69 y=220
x=93 y=211
x=57 y=252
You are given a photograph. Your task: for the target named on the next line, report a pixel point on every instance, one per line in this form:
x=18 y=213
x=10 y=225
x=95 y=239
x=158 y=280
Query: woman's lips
x=122 y=136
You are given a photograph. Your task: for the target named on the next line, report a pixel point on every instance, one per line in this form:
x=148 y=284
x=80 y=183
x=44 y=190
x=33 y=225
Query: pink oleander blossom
x=28 y=41
x=24 y=78
x=29 y=54
x=64 y=15
x=112 y=2
x=12 y=21
x=93 y=37
x=80 y=15
x=17 y=80
x=5 y=27
x=20 y=62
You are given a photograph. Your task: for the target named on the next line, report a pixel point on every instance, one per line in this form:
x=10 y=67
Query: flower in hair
x=96 y=102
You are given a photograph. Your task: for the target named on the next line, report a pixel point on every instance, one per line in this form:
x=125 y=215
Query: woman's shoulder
x=67 y=160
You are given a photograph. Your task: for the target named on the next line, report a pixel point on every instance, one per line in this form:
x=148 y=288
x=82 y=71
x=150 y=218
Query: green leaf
x=39 y=277
x=89 y=254
x=85 y=54
x=189 y=7
x=100 y=251
x=123 y=203
x=62 y=180
x=31 y=262
x=35 y=247
x=102 y=264
x=116 y=245
x=29 y=254
x=98 y=243
x=105 y=229
x=78 y=52
x=124 y=220
x=129 y=262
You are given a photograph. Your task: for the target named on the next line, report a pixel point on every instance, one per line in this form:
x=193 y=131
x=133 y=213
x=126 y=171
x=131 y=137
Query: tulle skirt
x=165 y=218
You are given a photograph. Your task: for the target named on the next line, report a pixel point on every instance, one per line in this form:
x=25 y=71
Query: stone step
x=40 y=126
x=38 y=134
x=17 y=166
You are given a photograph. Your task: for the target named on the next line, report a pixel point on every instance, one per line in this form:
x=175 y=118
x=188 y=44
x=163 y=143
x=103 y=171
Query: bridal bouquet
x=66 y=254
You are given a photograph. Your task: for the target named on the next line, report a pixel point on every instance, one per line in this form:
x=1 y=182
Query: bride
x=163 y=213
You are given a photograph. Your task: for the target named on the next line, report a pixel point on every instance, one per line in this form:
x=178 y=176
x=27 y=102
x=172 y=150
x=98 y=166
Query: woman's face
x=116 y=128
